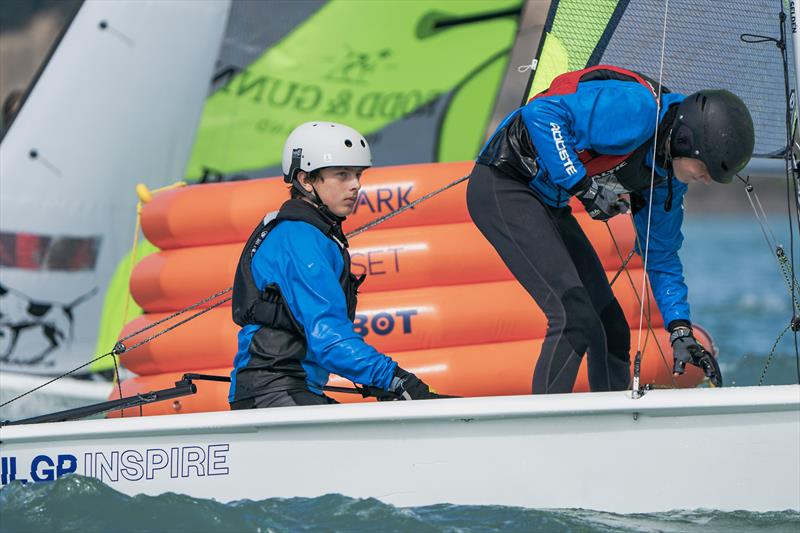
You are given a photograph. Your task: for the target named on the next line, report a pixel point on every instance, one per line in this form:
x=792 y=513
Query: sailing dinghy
x=646 y=451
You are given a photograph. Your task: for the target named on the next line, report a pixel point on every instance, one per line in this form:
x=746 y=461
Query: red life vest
x=567 y=83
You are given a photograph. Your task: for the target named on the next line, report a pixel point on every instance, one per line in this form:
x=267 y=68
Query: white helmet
x=316 y=145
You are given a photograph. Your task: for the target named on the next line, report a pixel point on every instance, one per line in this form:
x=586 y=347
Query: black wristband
x=678 y=324
x=581 y=186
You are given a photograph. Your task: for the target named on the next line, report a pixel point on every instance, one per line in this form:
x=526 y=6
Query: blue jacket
x=307 y=266
x=610 y=117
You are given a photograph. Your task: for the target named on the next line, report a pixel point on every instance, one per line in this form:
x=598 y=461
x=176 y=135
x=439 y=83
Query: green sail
x=365 y=64
x=576 y=29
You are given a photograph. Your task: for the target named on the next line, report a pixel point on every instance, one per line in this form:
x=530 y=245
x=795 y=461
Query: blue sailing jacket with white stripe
x=600 y=123
x=295 y=298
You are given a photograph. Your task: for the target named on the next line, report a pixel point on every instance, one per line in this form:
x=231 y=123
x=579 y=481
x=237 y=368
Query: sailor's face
x=690 y=170
x=338 y=188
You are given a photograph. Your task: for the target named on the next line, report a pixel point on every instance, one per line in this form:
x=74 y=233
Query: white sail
x=117 y=104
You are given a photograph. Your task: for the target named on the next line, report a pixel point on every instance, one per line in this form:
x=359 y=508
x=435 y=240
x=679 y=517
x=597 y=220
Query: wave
x=77 y=503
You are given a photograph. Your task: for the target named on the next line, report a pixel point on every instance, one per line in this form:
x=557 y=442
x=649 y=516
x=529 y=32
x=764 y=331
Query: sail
x=418 y=78
x=702 y=49
x=109 y=110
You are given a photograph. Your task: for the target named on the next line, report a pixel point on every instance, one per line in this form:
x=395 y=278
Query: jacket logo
x=561 y=147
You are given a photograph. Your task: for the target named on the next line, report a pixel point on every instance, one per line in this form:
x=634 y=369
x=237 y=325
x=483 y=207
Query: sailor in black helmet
x=599 y=134
x=294 y=295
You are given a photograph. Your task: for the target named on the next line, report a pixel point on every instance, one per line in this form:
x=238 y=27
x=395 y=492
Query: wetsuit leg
x=290 y=398
x=608 y=361
x=522 y=230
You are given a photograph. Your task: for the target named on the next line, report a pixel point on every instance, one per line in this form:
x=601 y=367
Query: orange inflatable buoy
x=227 y=212
x=392 y=321
x=393 y=259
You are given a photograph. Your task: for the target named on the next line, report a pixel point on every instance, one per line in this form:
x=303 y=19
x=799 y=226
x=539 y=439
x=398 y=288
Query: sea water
x=736 y=292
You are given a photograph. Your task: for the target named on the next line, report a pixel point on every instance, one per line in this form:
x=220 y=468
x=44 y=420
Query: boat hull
x=724 y=449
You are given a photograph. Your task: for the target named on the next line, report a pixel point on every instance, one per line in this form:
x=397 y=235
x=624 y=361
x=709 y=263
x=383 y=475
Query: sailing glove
x=686 y=349
x=601 y=203
x=407 y=386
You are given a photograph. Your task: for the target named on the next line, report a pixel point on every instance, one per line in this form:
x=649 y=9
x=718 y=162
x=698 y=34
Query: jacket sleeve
x=664 y=268
x=310 y=269
x=611 y=117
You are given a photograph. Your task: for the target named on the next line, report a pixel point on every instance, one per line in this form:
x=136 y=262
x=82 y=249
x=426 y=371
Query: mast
x=793 y=19
x=793 y=7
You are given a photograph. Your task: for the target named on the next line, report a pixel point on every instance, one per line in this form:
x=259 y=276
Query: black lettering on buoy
x=363 y=198
x=406 y=316
x=384 y=196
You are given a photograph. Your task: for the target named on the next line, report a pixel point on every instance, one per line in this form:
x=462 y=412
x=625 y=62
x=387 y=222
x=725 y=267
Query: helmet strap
x=314 y=198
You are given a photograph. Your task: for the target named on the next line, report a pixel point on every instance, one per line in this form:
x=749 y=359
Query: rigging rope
x=785 y=265
x=639 y=298
x=635 y=384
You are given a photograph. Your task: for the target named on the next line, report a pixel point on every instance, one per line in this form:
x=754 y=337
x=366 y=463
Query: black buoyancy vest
x=279 y=346
x=512 y=152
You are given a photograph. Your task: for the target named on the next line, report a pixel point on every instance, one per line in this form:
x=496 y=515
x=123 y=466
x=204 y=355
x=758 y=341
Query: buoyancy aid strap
x=271 y=310
x=268 y=307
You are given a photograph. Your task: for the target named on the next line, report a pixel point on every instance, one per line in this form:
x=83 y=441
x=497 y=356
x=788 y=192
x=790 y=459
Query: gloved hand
x=601 y=203
x=686 y=349
x=407 y=386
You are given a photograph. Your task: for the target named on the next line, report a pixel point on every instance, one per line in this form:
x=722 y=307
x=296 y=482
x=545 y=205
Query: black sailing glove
x=601 y=203
x=686 y=349
x=407 y=386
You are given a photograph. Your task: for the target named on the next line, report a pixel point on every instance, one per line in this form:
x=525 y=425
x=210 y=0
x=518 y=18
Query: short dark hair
x=313 y=176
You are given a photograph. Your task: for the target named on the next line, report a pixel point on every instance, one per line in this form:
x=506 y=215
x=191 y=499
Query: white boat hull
x=723 y=449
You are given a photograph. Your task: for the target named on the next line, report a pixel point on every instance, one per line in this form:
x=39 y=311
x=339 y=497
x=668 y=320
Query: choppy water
x=736 y=292
x=83 y=504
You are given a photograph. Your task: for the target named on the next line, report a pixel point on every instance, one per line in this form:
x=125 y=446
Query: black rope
x=639 y=299
x=65 y=374
x=624 y=264
x=751 y=38
x=175 y=325
x=771 y=354
x=120 y=348
x=173 y=315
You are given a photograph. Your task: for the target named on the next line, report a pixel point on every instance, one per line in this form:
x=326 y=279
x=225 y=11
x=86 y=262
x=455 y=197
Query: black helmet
x=716 y=128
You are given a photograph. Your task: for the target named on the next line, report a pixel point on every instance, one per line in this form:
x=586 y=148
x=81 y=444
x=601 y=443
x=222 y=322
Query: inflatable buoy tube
x=393 y=259
x=392 y=321
x=220 y=213
x=227 y=212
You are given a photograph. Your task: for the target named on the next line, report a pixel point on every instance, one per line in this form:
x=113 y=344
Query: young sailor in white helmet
x=293 y=293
